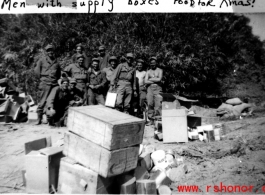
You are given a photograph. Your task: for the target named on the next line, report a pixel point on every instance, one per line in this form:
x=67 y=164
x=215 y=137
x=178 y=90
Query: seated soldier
x=58 y=104
x=75 y=94
x=96 y=83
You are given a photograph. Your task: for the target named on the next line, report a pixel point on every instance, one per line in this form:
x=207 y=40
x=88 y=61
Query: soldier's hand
x=91 y=86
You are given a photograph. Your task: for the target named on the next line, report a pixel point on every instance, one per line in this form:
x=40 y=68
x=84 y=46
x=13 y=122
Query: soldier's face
x=65 y=85
x=139 y=66
x=153 y=64
x=95 y=65
x=113 y=64
x=101 y=52
x=80 y=61
x=50 y=53
x=79 y=50
x=129 y=60
x=71 y=85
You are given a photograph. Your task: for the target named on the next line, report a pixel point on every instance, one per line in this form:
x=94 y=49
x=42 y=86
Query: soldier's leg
x=91 y=97
x=44 y=91
x=158 y=101
x=150 y=102
x=120 y=96
x=142 y=100
x=127 y=98
x=100 y=99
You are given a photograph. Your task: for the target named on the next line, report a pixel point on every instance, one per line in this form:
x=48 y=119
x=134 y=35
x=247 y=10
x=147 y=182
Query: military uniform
x=103 y=61
x=57 y=105
x=87 y=60
x=96 y=94
x=80 y=74
x=49 y=72
x=125 y=80
x=76 y=96
x=142 y=89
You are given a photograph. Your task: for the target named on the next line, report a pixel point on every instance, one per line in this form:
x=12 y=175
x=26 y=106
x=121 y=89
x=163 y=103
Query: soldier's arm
x=58 y=76
x=147 y=80
x=134 y=80
x=68 y=71
x=115 y=75
x=38 y=67
x=104 y=80
x=159 y=78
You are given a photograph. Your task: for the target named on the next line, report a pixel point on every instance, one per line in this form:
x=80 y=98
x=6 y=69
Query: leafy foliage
x=198 y=52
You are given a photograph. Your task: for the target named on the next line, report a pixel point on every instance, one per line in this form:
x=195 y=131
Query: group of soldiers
x=85 y=83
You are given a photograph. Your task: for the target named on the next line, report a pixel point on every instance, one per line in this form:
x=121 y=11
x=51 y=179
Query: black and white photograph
x=132 y=103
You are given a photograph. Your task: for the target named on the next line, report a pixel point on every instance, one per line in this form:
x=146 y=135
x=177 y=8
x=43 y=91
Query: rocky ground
x=237 y=160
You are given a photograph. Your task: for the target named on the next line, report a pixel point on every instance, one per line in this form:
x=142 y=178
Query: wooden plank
x=42 y=171
x=104 y=162
x=38 y=144
x=160 y=178
x=106 y=127
x=141 y=173
x=77 y=179
x=174 y=124
x=129 y=187
x=4 y=106
x=146 y=187
x=146 y=162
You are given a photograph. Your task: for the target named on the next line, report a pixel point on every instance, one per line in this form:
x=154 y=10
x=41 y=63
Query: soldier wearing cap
x=79 y=72
x=103 y=57
x=49 y=72
x=153 y=81
x=58 y=104
x=140 y=75
x=112 y=66
x=109 y=71
x=76 y=94
x=80 y=50
x=96 y=83
x=124 y=81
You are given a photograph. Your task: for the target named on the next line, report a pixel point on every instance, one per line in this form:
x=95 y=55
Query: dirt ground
x=237 y=160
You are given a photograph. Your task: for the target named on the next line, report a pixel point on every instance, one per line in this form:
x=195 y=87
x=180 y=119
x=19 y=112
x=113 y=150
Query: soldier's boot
x=40 y=114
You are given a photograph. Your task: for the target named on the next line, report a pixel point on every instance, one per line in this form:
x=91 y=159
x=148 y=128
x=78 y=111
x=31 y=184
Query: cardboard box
x=106 y=127
x=77 y=179
x=174 y=124
x=106 y=163
x=42 y=170
x=38 y=144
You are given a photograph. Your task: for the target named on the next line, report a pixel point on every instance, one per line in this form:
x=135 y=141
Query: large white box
x=174 y=124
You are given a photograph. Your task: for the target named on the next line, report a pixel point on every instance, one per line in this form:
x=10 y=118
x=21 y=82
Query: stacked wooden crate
x=101 y=143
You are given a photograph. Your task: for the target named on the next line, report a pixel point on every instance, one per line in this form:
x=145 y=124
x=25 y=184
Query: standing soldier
x=78 y=71
x=80 y=50
x=153 y=80
x=96 y=82
x=125 y=80
x=49 y=72
x=109 y=71
x=140 y=75
x=103 y=57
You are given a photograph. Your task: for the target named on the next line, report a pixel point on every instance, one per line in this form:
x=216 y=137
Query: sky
x=257 y=21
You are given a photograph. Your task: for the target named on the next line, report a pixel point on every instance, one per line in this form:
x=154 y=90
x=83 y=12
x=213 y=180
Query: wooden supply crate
x=106 y=127
x=42 y=170
x=77 y=179
x=106 y=163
